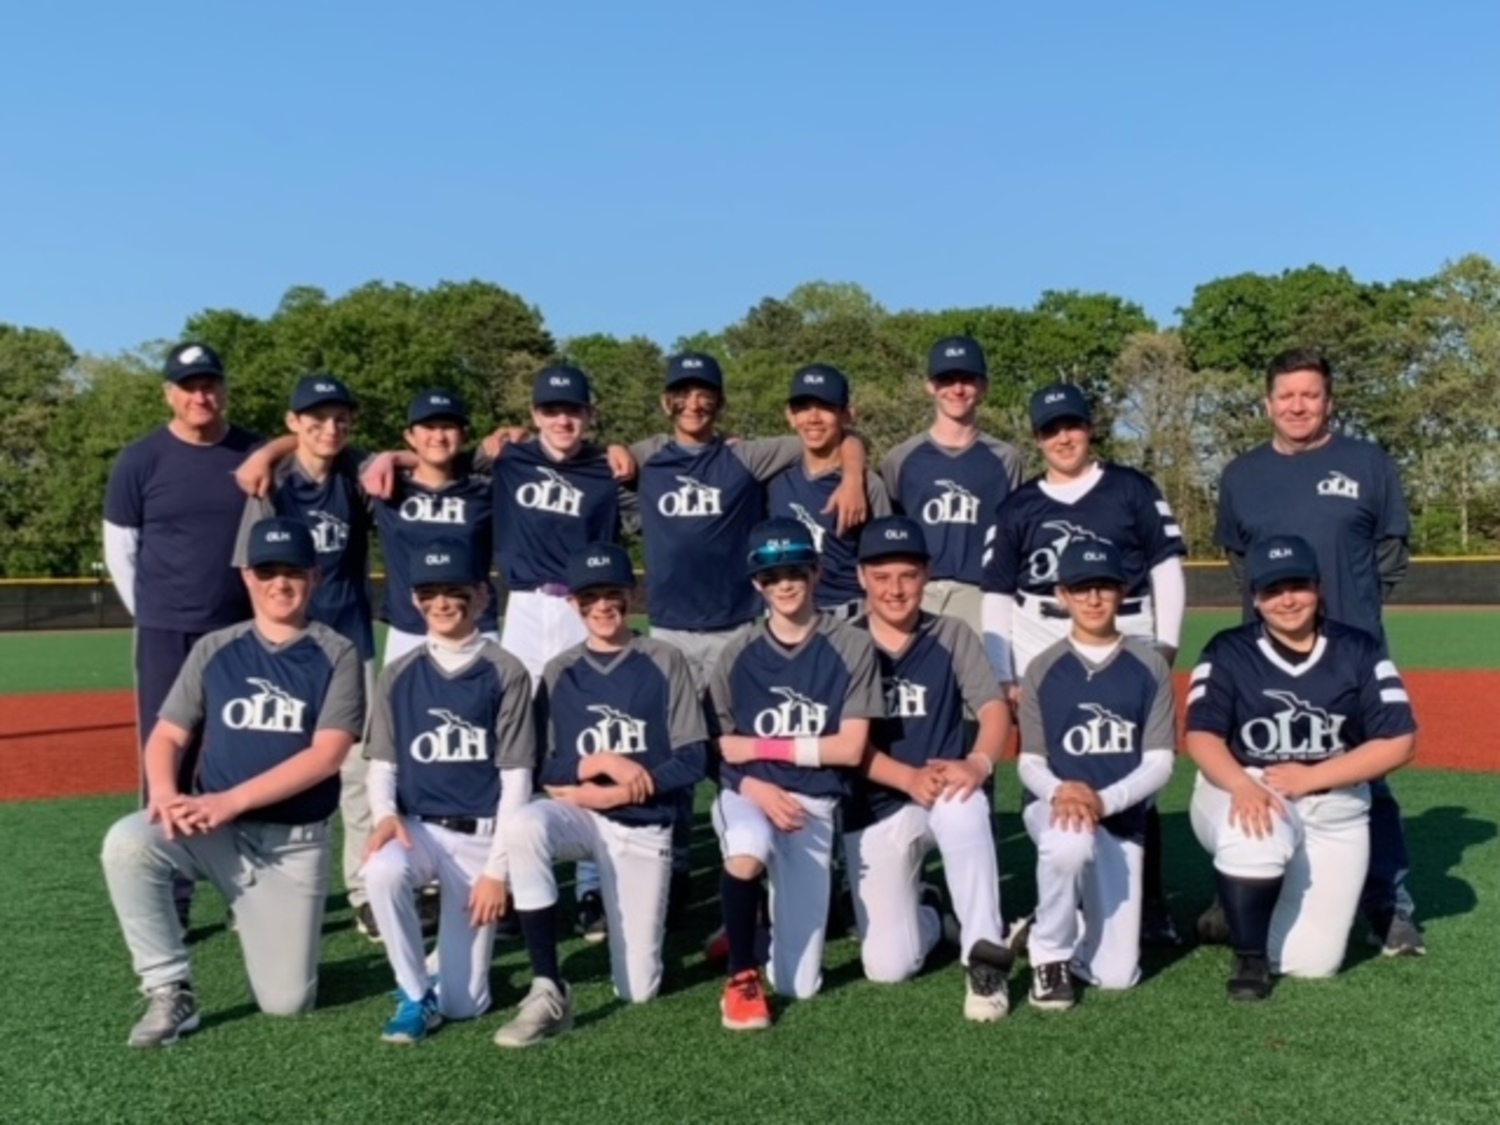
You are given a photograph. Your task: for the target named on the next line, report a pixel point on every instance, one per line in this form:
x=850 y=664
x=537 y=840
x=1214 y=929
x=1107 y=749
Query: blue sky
x=657 y=168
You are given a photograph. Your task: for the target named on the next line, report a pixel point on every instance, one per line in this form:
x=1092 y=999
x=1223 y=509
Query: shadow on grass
x=1437 y=839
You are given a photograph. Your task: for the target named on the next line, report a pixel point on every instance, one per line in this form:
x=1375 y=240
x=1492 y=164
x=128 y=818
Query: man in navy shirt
x=171 y=514
x=1343 y=496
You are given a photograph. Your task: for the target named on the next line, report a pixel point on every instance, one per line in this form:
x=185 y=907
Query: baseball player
x=624 y=732
x=952 y=478
x=312 y=475
x=1081 y=499
x=278 y=700
x=451 y=751
x=818 y=411
x=1343 y=496
x=171 y=512
x=1098 y=732
x=921 y=786
x=794 y=697
x=1289 y=719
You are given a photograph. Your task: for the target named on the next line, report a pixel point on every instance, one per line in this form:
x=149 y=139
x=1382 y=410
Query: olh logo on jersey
x=329 y=533
x=814 y=528
x=796 y=716
x=423 y=507
x=1105 y=733
x=904 y=699
x=270 y=709
x=1299 y=730
x=956 y=505
x=553 y=494
x=614 y=733
x=690 y=498
x=454 y=740
x=1042 y=565
x=1339 y=484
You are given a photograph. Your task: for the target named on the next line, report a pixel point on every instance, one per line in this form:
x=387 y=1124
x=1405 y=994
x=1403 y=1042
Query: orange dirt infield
x=69 y=745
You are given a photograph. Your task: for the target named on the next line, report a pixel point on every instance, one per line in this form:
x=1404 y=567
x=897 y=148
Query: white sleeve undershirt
x=1147 y=778
x=121 y=547
x=1169 y=600
x=380 y=785
x=515 y=793
x=997 y=626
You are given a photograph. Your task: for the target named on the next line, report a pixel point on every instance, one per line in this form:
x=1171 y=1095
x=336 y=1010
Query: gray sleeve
x=1161 y=725
x=718 y=682
x=344 y=703
x=1391 y=559
x=976 y=677
x=1033 y=733
x=685 y=707
x=515 y=725
x=1009 y=456
x=863 y=699
x=890 y=468
x=380 y=742
x=879 y=498
x=647 y=448
x=257 y=508
x=184 y=705
x=769 y=456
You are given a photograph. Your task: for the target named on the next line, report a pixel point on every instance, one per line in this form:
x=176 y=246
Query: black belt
x=1048 y=607
x=463 y=825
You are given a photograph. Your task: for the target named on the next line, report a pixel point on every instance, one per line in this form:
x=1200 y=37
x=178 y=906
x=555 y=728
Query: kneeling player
x=794 y=696
x=451 y=749
x=1097 y=732
x=1289 y=718
x=278 y=701
x=624 y=732
x=920 y=786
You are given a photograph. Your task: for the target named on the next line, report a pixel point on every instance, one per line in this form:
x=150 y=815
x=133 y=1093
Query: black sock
x=1151 y=863
x=740 y=899
x=1248 y=906
x=539 y=927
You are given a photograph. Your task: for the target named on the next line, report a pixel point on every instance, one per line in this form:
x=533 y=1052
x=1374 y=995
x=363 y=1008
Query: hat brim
x=452 y=416
x=325 y=400
x=1039 y=424
x=1261 y=583
x=192 y=371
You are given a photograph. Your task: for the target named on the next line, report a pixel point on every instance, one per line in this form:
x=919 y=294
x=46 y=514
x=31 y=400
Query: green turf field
x=1397 y=1041
x=100 y=661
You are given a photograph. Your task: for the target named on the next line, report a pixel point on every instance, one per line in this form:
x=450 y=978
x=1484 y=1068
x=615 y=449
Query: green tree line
x=1417 y=368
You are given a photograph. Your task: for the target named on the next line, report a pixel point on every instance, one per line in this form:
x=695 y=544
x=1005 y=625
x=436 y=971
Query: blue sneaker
x=413 y=1020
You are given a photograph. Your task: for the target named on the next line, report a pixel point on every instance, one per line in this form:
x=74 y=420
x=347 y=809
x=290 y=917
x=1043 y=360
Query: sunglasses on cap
x=784 y=554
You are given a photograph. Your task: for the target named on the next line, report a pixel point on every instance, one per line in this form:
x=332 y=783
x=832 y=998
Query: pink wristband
x=773 y=749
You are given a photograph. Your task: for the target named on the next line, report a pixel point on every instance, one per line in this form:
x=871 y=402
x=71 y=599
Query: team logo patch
x=615 y=733
x=814 y=528
x=796 y=716
x=329 y=533
x=1339 y=484
x=1298 y=731
x=554 y=493
x=1105 y=733
x=690 y=498
x=1041 y=564
x=269 y=708
x=904 y=699
x=956 y=505
x=453 y=740
x=423 y=507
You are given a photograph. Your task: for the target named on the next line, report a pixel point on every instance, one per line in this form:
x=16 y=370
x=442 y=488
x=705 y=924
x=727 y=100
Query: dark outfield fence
x=86 y=603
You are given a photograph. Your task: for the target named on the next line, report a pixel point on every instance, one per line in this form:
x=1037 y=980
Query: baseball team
x=843 y=654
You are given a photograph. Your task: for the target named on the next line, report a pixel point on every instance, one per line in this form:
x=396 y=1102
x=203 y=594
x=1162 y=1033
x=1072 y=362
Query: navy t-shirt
x=546 y=511
x=801 y=496
x=183 y=500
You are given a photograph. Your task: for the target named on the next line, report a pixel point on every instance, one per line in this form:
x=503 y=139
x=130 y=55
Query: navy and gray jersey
x=1123 y=508
x=802 y=496
x=258 y=704
x=1343 y=497
x=698 y=504
x=763 y=689
x=1271 y=710
x=1094 y=722
x=639 y=701
x=449 y=734
x=415 y=516
x=954 y=494
x=182 y=500
x=940 y=677
x=546 y=511
x=338 y=514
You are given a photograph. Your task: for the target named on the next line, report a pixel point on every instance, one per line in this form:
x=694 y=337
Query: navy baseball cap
x=600 y=564
x=780 y=542
x=694 y=367
x=820 y=381
x=891 y=537
x=1060 y=400
x=281 y=542
x=186 y=360
x=315 y=390
x=1280 y=558
x=956 y=355
x=1090 y=560
x=444 y=562
x=560 y=384
x=430 y=404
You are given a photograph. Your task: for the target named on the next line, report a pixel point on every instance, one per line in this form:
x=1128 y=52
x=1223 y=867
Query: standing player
x=1289 y=720
x=1097 y=736
x=794 y=698
x=171 y=512
x=624 y=733
x=818 y=410
x=1343 y=496
x=952 y=478
x=921 y=786
x=1080 y=499
x=451 y=750
x=278 y=700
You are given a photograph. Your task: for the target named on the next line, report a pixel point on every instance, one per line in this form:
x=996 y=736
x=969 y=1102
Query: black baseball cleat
x=1052 y=987
x=591 y=923
x=429 y=910
x=1213 y=927
x=1158 y=931
x=987 y=982
x=1251 y=978
x=364 y=922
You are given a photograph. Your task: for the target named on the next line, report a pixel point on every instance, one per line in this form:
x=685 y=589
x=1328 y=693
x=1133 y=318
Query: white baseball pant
x=354 y=806
x=634 y=863
x=537 y=627
x=797 y=867
x=896 y=933
x=1321 y=847
x=1033 y=631
x=1088 y=911
x=953 y=598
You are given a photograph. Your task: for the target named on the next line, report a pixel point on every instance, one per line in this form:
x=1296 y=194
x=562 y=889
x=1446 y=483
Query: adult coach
x=278 y=701
x=1343 y=496
x=171 y=515
x=952 y=478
